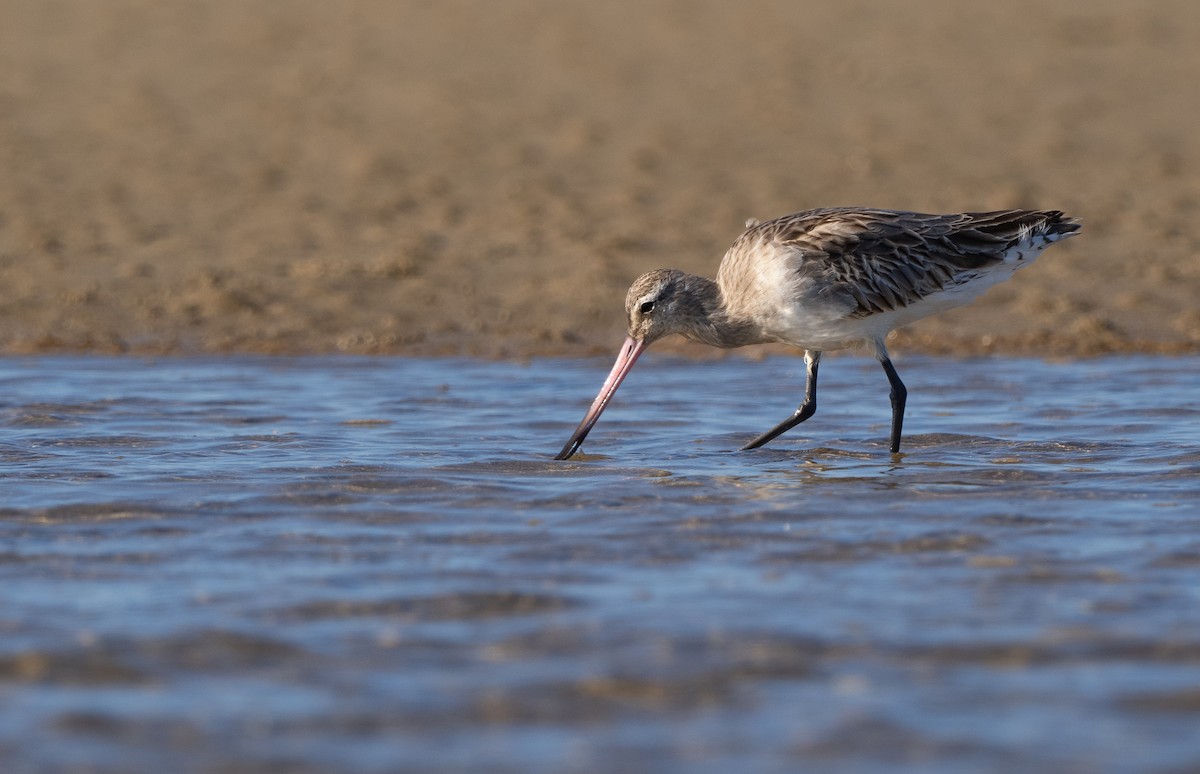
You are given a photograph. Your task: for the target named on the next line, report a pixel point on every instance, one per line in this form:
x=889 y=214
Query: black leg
x=807 y=408
x=899 y=395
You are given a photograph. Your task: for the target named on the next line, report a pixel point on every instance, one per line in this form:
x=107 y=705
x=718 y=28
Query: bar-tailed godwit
x=829 y=279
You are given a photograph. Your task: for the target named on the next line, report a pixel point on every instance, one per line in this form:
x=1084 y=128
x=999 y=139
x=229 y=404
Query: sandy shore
x=480 y=178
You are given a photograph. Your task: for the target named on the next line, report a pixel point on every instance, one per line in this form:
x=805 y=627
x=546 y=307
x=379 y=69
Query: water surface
x=374 y=565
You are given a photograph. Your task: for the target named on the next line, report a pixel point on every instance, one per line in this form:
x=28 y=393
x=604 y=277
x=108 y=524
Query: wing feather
x=885 y=260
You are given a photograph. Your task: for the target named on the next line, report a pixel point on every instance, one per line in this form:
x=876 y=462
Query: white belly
x=821 y=325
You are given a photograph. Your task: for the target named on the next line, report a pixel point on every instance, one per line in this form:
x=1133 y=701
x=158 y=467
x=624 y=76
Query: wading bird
x=829 y=279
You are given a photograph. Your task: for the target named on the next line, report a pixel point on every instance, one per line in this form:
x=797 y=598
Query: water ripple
x=374 y=565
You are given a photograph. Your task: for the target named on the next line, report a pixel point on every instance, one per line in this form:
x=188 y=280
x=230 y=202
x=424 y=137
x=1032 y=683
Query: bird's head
x=657 y=304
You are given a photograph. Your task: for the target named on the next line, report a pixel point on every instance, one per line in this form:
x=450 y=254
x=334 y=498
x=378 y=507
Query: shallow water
x=371 y=565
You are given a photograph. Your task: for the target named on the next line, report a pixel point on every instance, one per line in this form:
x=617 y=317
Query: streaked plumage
x=829 y=279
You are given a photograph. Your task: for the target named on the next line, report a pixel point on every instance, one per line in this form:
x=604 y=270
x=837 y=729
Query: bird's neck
x=708 y=319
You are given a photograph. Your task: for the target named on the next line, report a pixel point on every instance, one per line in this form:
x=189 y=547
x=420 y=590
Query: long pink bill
x=630 y=350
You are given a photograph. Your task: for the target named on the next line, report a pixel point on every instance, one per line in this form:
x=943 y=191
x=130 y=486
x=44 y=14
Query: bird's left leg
x=898 y=395
x=812 y=359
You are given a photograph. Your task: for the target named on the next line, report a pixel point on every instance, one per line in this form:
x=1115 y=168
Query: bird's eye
x=647 y=307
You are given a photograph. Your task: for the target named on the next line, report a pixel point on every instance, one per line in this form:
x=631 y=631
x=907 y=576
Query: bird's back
x=845 y=264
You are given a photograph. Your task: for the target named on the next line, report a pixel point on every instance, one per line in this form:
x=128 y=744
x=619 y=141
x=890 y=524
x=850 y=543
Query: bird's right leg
x=812 y=359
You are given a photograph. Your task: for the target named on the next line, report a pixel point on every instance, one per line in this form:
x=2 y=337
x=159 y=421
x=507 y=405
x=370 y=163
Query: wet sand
x=456 y=177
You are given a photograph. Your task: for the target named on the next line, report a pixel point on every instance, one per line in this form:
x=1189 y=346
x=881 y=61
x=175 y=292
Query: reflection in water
x=375 y=565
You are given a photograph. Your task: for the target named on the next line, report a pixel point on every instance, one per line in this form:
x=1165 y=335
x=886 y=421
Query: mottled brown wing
x=885 y=260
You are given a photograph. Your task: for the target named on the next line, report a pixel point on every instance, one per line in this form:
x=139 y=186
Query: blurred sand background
x=487 y=177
